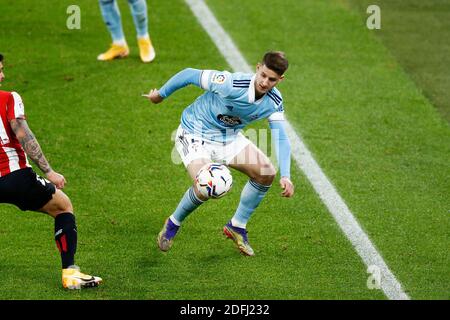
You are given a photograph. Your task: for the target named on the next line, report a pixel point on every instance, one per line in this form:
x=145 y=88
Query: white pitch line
x=305 y=161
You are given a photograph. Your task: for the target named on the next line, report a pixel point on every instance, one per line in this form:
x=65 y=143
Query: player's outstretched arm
x=180 y=80
x=33 y=150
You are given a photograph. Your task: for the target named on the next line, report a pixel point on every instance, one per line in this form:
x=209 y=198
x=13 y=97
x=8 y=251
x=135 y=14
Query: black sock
x=66 y=238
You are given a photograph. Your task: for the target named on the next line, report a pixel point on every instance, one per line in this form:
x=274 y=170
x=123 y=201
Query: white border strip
x=305 y=161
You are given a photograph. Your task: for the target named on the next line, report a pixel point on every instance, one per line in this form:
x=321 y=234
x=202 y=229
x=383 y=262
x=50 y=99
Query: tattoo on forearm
x=30 y=145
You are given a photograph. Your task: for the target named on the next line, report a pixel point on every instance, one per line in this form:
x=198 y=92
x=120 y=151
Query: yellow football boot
x=72 y=278
x=146 y=50
x=116 y=51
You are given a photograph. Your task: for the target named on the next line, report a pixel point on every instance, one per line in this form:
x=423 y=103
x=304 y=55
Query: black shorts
x=25 y=189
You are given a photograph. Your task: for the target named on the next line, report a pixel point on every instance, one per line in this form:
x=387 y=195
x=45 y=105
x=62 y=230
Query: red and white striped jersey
x=12 y=156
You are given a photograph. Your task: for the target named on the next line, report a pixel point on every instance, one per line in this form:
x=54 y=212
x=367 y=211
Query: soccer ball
x=214 y=180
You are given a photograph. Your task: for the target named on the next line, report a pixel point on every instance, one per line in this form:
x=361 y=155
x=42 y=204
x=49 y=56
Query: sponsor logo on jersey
x=218 y=78
x=229 y=120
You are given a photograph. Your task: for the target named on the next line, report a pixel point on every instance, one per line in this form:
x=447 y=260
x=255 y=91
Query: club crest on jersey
x=229 y=120
x=218 y=78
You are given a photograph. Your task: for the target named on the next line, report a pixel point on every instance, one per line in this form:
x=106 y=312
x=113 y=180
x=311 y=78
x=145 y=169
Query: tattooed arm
x=30 y=144
x=33 y=150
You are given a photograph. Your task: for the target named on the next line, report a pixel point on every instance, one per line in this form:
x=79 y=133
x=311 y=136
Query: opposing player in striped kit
x=210 y=132
x=22 y=187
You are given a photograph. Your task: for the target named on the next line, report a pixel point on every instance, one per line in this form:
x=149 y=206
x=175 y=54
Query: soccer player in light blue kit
x=119 y=48
x=210 y=132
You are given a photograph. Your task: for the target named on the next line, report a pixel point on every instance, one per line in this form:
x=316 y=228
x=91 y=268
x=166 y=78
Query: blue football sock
x=251 y=197
x=188 y=203
x=140 y=18
x=111 y=16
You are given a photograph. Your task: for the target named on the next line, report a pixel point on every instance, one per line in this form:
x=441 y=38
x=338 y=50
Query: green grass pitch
x=373 y=131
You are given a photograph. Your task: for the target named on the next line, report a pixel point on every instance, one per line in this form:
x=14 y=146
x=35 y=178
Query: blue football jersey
x=228 y=105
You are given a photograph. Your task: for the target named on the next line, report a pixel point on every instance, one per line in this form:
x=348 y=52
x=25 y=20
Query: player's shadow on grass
x=155 y=258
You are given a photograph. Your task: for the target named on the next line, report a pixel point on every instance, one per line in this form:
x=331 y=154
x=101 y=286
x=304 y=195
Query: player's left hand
x=57 y=179
x=287 y=186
